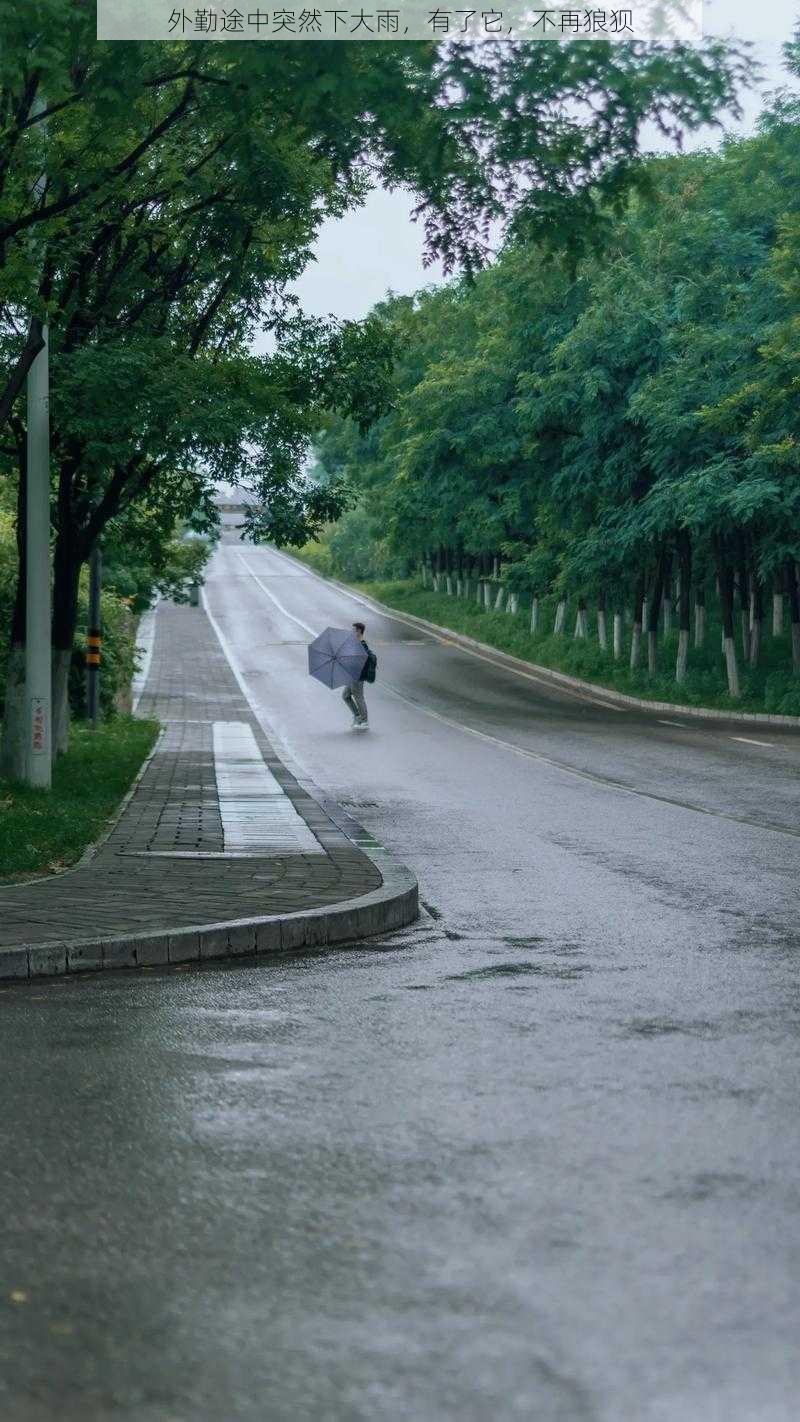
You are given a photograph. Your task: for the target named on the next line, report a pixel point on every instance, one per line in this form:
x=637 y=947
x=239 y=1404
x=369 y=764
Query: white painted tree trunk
x=617 y=636
x=652 y=652
x=699 y=625
x=513 y=604
x=732 y=667
x=636 y=645
x=61 y=665
x=777 y=614
x=561 y=612
x=12 y=756
x=534 y=616
x=436 y=582
x=582 y=623
x=499 y=600
x=479 y=592
x=487 y=591
x=755 y=643
x=602 y=634
x=682 y=663
x=424 y=573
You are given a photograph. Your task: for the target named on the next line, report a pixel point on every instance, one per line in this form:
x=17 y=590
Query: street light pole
x=38 y=657
x=38 y=662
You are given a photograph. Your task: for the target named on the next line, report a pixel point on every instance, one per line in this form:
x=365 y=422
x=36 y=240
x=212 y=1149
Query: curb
x=595 y=689
x=394 y=905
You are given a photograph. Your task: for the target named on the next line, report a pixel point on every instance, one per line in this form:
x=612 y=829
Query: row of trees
x=157 y=198
x=623 y=432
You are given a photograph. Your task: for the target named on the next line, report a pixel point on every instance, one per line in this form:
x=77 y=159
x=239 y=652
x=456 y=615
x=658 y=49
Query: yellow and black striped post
x=94 y=637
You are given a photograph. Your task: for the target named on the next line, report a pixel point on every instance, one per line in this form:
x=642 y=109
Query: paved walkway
x=216 y=830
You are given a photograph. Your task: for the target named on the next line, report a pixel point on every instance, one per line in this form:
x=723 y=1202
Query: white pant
x=353 y=696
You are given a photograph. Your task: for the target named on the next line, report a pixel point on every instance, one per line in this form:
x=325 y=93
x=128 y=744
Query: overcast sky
x=378 y=247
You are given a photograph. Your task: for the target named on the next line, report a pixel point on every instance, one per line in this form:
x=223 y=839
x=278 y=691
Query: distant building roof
x=233 y=496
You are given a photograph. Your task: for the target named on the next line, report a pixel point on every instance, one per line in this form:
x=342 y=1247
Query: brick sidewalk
x=175 y=809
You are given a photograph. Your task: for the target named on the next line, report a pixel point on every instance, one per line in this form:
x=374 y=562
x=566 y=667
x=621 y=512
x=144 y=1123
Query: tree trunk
x=582 y=620
x=487 y=592
x=62 y=661
x=534 y=615
x=561 y=612
x=667 y=595
x=725 y=582
x=636 y=635
x=34 y=343
x=700 y=618
x=66 y=574
x=654 y=609
x=684 y=605
x=602 y=633
x=777 y=609
x=745 y=622
x=499 y=600
x=617 y=636
x=13 y=752
x=479 y=592
x=794 y=613
x=448 y=583
x=757 y=621
x=743 y=584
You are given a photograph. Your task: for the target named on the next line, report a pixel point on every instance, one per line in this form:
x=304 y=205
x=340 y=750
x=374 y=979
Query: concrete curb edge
x=395 y=904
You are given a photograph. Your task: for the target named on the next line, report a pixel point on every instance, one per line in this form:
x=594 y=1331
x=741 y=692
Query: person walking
x=353 y=695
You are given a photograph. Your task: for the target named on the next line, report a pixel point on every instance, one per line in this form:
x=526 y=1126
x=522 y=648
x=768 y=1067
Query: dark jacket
x=367 y=650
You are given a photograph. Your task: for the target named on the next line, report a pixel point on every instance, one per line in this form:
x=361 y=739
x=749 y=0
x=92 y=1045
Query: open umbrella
x=336 y=657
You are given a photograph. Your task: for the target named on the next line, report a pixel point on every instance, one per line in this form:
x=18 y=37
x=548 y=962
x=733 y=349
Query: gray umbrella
x=336 y=657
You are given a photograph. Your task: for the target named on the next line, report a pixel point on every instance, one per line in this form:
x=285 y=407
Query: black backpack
x=370 y=667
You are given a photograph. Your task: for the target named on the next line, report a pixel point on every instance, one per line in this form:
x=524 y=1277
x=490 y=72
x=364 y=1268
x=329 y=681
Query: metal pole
x=38 y=670
x=38 y=657
x=94 y=636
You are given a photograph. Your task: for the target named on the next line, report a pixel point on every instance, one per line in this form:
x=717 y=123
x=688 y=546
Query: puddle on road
x=510 y=970
x=663 y=1027
x=713 y=1185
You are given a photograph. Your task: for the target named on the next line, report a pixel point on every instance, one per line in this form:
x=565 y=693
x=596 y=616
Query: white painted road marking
x=257 y=815
x=313 y=632
x=681 y=724
x=443 y=640
x=604 y=782
x=748 y=741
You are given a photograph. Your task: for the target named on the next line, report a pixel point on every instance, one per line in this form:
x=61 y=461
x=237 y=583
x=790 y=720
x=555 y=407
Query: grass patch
x=770 y=687
x=43 y=831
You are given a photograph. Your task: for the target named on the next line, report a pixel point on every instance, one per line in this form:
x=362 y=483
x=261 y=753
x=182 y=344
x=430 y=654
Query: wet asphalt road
x=536 y=1158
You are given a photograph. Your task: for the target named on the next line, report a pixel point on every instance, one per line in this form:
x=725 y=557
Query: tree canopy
x=623 y=430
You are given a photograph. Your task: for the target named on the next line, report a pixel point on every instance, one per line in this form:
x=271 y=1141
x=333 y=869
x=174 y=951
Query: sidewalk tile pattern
x=175 y=808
